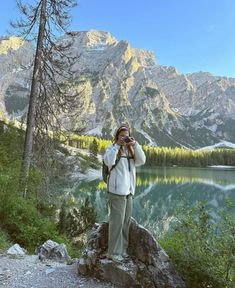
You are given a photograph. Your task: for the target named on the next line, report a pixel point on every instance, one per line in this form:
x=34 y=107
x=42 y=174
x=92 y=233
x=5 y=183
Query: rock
x=50 y=270
x=74 y=261
x=53 y=251
x=148 y=265
x=16 y=250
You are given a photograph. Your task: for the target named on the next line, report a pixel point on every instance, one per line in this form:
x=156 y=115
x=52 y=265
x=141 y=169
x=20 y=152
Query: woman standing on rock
x=121 y=159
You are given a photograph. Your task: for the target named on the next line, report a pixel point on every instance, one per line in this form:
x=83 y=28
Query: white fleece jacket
x=121 y=180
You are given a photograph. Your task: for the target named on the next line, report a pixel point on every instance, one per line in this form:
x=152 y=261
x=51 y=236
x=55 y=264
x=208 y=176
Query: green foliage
x=84 y=142
x=19 y=217
x=167 y=156
x=74 y=248
x=10 y=146
x=94 y=150
x=28 y=222
x=203 y=251
x=88 y=161
x=24 y=224
x=88 y=214
x=4 y=240
x=84 y=166
x=163 y=156
x=77 y=218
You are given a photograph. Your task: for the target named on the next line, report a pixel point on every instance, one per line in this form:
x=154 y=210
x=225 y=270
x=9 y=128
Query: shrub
x=203 y=251
x=20 y=218
x=4 y=240
x=76 y=219
x=28 y=222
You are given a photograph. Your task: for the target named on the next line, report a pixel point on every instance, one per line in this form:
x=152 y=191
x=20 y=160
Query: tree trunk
x=28 y=143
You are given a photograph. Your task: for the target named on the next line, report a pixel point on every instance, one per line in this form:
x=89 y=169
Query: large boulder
x=148 y=265
x=53 y=251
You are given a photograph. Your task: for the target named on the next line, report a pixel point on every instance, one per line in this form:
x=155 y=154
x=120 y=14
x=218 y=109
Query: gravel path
x=30 y=272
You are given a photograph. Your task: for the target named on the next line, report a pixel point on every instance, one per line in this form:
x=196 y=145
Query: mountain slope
x=124 y=84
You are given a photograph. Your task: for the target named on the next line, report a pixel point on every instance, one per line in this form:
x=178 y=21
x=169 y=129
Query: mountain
x=124 y=84
x=223 y=144
x=16 y=57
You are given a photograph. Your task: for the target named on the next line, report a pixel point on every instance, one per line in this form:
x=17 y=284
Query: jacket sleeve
x=140 y=157
x=111 y=155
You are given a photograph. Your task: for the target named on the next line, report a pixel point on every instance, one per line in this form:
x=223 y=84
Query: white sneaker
x=115 y=258
x=125 y=255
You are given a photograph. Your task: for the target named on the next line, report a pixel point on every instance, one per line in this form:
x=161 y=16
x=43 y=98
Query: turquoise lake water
x=160 y=190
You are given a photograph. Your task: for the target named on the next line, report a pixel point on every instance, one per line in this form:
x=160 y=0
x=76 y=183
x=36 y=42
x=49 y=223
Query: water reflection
x=160 y=190
x=177 y=175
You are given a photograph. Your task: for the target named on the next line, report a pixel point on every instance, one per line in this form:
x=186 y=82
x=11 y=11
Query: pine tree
x=39 y=24
x=94 y=150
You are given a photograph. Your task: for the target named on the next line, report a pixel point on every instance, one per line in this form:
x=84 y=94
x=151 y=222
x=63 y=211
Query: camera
x=127 y=139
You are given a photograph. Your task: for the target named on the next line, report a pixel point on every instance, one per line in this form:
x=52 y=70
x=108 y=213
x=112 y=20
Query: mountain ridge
x=124 y=84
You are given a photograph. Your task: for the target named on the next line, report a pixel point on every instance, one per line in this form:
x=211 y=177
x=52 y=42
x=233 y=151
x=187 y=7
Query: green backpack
x=105 y=170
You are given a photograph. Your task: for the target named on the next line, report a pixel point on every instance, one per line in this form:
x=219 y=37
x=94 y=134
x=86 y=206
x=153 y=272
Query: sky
x=192 y=35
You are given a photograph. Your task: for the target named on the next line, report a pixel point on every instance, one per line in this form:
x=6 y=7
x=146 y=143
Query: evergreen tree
x=94 y=150
x=40 y=22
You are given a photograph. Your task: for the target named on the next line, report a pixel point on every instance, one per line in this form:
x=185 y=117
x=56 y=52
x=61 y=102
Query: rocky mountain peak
x=124 y=84
x=144 y=57
x=94 y=38
x=199 y=78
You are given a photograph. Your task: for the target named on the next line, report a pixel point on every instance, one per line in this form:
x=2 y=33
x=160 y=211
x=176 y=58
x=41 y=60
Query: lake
x=160 y=190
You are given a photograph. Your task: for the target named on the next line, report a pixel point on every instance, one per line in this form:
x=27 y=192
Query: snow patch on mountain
x=222 y=144
x=95 y=131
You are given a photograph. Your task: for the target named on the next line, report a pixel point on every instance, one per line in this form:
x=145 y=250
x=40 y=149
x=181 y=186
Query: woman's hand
x=131 y=142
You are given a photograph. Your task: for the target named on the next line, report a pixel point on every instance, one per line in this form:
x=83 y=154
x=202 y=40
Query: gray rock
x=54 y=251
x=16 y=250
x=50 y=270
x=148 y=264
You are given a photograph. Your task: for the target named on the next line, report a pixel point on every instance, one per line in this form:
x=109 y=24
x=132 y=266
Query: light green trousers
x=120 y=210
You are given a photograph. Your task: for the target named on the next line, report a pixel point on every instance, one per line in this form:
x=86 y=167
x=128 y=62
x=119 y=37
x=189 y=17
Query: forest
x=165 y=156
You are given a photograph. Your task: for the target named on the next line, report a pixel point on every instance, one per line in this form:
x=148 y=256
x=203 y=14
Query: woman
x=121 y=158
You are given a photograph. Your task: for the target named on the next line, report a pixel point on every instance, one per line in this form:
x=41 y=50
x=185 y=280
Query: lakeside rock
x=148 y=265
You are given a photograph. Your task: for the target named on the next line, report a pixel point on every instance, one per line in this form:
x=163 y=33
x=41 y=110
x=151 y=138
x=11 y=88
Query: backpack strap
x=116 y=162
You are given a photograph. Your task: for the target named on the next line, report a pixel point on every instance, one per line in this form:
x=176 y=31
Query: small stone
x=49 y=271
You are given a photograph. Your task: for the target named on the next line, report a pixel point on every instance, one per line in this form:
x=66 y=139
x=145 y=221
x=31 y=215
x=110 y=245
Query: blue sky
x=191 y=35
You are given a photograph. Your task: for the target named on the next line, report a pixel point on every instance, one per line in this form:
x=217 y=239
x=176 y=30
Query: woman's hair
x=124 y=127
